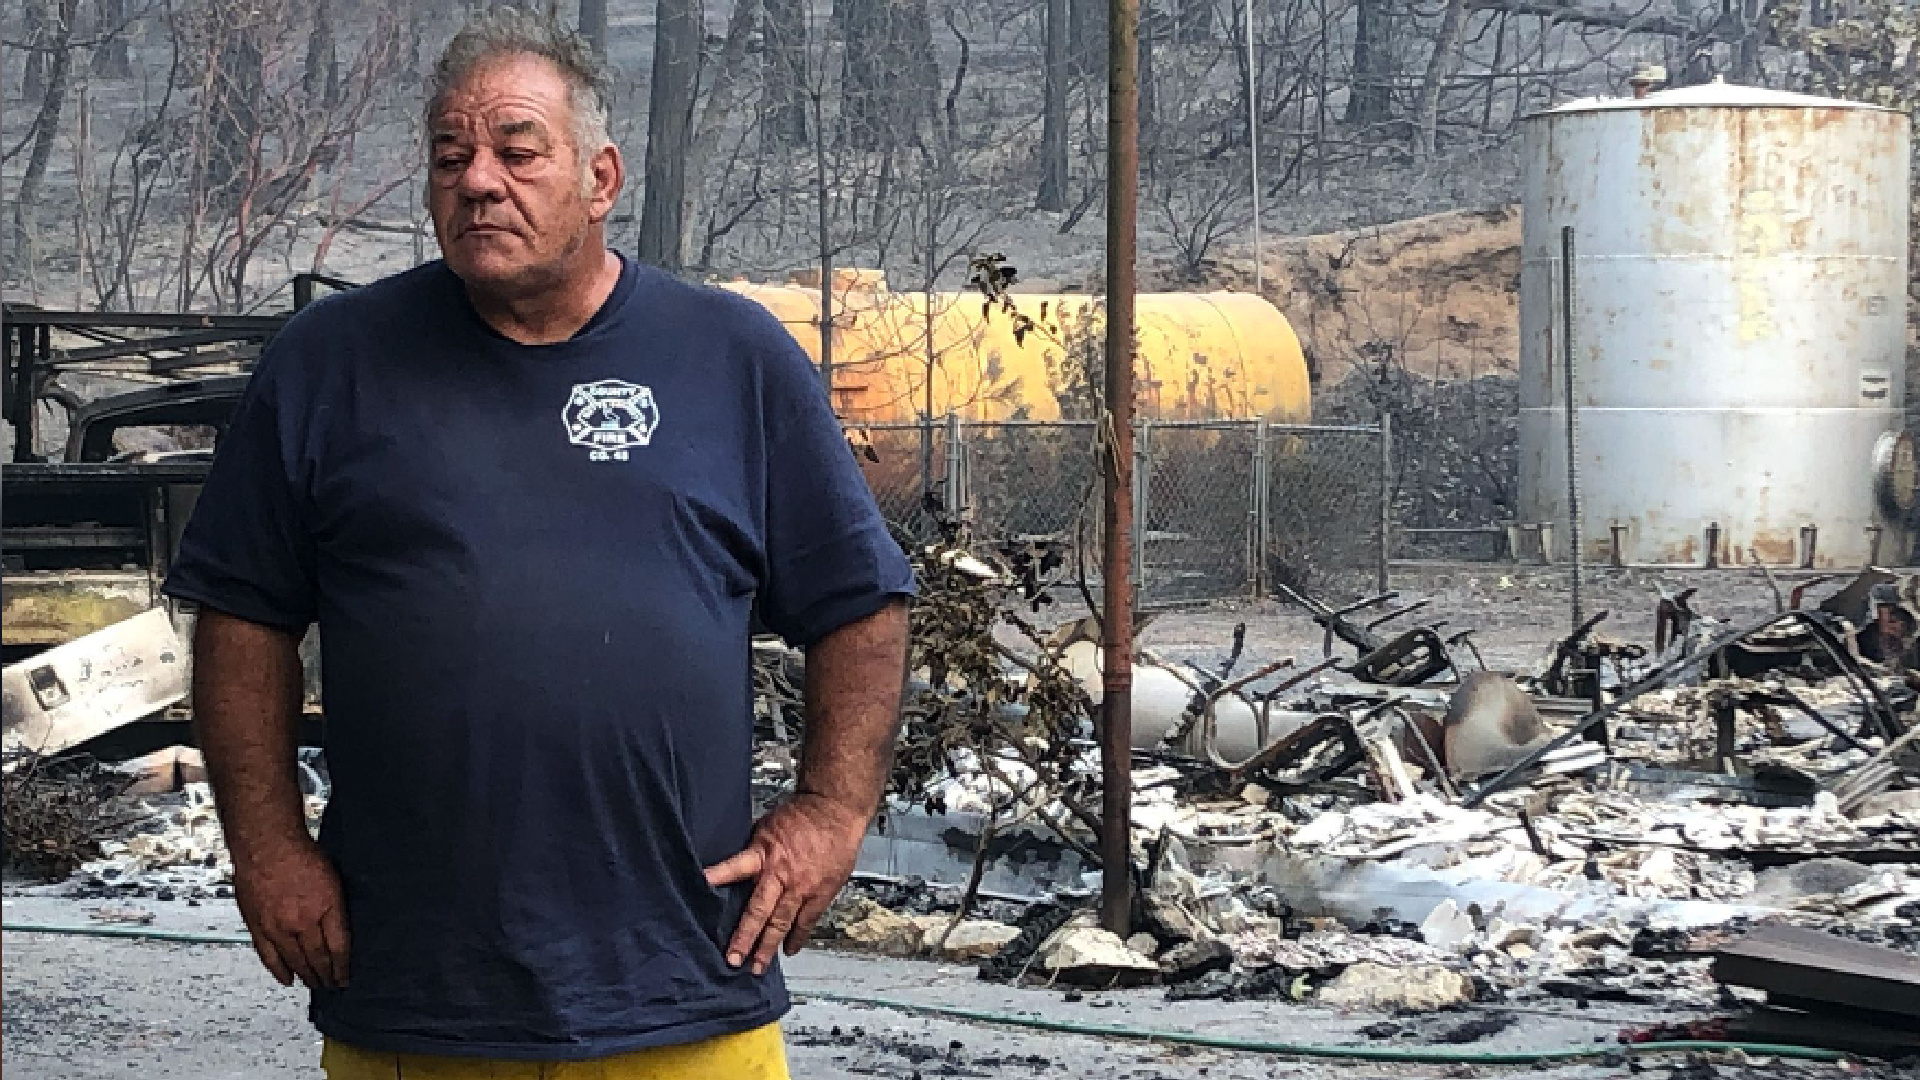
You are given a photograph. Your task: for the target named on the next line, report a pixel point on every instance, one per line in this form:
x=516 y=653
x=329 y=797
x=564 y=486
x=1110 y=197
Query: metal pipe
x=826 y=250
x=1116 y=624
x=956 y=466
x=1573 y=424
x=1380 y=582
x=1142 y=496
x=1257 y=562
x=1809 y=536
x=1253 y=147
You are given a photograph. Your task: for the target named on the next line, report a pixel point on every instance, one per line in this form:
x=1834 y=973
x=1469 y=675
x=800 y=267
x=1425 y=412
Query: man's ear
x=609 y=174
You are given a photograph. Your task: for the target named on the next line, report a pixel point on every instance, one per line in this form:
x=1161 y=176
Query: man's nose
x=484 y=178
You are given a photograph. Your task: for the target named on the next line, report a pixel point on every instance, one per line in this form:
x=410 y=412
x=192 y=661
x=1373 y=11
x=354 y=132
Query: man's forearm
x=246 y=708
x=854 y=680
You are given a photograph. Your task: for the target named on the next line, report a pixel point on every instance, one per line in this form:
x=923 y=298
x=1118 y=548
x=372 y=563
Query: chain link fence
x=1222 y=509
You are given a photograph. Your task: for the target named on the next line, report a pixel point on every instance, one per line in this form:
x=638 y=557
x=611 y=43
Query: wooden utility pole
x=1116 y=624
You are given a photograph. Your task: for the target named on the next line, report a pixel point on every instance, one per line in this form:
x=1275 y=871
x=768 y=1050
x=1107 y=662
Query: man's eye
x=449 y=163
x=518 y=157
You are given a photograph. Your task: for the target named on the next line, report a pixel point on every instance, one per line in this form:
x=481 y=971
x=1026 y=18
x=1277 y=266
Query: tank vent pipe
x=1573 y=423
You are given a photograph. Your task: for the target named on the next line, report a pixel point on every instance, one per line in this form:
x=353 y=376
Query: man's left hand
x=801 y=853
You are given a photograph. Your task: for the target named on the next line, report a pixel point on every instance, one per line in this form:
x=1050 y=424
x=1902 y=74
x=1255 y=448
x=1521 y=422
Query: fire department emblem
x=610 y=417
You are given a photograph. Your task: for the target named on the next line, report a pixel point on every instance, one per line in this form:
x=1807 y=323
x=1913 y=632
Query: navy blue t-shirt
x=533 y=569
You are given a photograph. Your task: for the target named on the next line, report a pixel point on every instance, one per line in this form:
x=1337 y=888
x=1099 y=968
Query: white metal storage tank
x=1739 y=290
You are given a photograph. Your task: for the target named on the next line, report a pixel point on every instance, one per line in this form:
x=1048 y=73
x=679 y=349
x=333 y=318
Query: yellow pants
x=759 y=1054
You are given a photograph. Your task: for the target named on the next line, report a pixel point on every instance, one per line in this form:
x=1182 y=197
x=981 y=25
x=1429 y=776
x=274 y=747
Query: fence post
x=1257 y=535
x=956 y=462
x=1142 y=477
x=1386 y=499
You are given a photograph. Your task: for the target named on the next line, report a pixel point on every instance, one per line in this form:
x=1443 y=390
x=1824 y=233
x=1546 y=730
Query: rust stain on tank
x=1774 y=546
x=1684 y=553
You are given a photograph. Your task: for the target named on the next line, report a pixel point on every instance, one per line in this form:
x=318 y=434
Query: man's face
x=505 y=186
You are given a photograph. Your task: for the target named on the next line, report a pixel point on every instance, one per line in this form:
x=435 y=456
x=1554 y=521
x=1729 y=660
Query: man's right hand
x=294 y=907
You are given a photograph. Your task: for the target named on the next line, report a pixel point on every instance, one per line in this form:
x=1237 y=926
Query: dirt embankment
x=1437 y=295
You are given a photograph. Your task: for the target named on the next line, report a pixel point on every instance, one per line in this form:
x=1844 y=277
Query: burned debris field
x=1395 y=530
x=1390 y=854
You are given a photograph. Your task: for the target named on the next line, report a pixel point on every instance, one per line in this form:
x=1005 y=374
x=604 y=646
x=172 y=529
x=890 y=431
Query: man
x=531 y=494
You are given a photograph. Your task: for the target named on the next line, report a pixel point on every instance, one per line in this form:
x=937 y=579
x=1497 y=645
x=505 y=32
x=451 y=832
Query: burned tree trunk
x=1053 y=118
x=675 y=80
x=888 y=74
x=1371 y=99
x=1089 y=37
x=46 y=126
x=705 y=139
x=1440 y=68
x=1152 y=25
x=235 y=110
x=321 y=79
x=593 y=25
x=1753 y=16
x=1193 y=21
x=785 y=73
x=42 y=26
x=110 y=56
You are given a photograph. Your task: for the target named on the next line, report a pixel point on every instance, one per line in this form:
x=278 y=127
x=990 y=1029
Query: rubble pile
x=176 y=850
x=1591 y=831
x=56 y=814
x=1391 y=827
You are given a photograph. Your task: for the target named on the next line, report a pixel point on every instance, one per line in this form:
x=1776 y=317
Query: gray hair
x=504 y=32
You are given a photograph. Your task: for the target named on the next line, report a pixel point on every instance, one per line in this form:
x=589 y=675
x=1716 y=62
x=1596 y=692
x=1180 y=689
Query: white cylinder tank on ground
x=1739 y=289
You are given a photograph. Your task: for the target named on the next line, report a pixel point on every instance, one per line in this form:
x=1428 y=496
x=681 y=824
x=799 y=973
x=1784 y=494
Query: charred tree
x=110 y=57
x=236 y=105
x=1089 y=37
x=785 y=72
x=888 y=74
x=1053 y=117
x=1153 y=25
x=705 y=140
x=321 y=78
x=674 y=86
x=1370 y=101
x=42 y=28
x=593 y=25
x=1440 y=69
x=1193 y=21
x=46 y=125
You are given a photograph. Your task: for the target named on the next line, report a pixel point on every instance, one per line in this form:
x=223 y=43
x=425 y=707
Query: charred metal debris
x=1387 y=825
x=1392 y=825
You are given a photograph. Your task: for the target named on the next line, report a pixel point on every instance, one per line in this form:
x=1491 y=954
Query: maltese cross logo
x=610 y=417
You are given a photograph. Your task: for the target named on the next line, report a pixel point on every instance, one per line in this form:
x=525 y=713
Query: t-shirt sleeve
x=247 y=550
x=830 y=557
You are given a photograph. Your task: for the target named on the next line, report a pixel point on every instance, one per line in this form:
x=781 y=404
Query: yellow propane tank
x=1202 y=356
